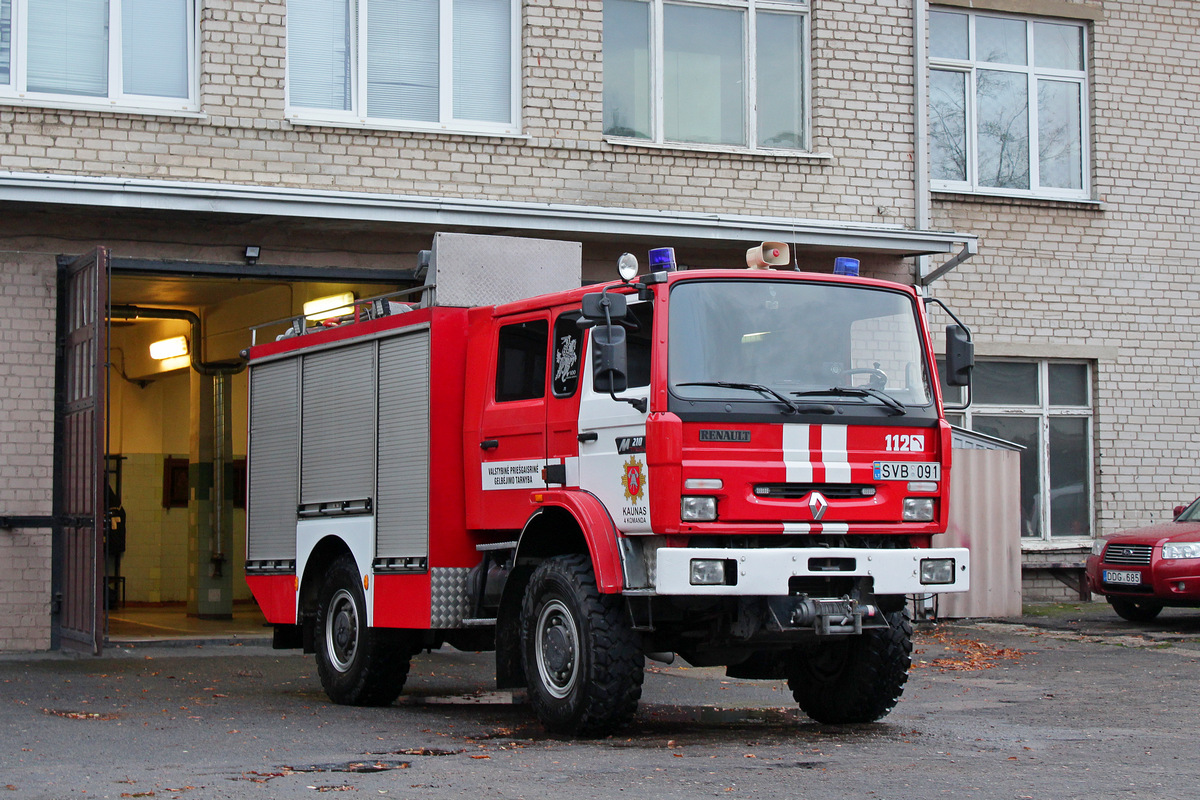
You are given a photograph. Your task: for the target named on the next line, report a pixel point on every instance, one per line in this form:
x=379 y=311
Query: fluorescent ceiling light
x=335 y=305
x=169 y=348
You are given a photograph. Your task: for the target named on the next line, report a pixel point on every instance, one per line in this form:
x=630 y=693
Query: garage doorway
x=168 y=555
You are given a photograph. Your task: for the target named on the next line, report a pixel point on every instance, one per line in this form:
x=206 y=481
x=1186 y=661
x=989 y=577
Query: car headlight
x=1181 y=550
x=1098 y=547
x=918 y=509
x=698 y=509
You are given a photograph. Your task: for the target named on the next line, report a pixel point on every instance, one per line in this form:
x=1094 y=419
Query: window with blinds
x=420 y=64
x=124 y=53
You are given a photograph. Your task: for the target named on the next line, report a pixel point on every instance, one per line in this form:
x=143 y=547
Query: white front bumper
x=766 y=572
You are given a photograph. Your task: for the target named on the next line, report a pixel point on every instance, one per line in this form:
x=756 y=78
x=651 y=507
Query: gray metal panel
x=449 y=600
x=275 y=457
x=402 y=503
x=985 y=516
x=338 y=431
x=476 y=270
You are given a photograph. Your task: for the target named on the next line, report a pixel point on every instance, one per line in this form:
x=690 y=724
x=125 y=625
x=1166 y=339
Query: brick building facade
x=1089 y=285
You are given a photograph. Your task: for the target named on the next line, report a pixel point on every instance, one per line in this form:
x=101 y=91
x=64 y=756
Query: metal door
x=79 y=451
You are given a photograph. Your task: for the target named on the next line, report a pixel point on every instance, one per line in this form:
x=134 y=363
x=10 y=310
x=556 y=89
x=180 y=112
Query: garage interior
x=176 y=438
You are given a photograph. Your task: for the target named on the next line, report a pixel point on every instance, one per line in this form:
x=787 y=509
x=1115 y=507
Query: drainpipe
x=921 y=130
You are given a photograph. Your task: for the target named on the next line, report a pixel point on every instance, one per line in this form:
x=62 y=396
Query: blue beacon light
x=845 y=266
x=662 y=259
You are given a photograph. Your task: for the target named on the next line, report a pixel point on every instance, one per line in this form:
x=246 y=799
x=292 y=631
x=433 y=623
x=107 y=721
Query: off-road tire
x=1135 y=610
x=854 y=679
x=583 y=663
x=357 y=665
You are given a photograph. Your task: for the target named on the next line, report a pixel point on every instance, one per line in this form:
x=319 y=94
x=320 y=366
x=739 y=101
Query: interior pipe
x=203 y=367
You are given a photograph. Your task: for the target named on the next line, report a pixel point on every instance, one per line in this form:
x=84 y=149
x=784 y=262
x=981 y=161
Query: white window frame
x=1044 y=412
x=750 y=76
x=447 y=123
x=15 y=93
x=970 y=68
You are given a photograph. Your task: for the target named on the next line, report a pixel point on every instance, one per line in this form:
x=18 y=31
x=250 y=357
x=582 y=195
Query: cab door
x=512 y=432
x=563 y=440
x=612 y=433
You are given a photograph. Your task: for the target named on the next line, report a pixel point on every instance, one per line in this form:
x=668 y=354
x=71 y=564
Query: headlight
x=707 y=572
x=918 y=509
x=937 y=570
x=1181 y=550
x=698 y=509
x=1098 y=547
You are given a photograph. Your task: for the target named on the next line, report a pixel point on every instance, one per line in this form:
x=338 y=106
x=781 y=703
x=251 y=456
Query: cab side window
x=568 y=351
x=639 y=340
x=521 y=361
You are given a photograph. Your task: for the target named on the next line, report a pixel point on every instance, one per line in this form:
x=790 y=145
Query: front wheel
x=854 y=679
x=581 y=656
x=358 y=666
x=1135 y=610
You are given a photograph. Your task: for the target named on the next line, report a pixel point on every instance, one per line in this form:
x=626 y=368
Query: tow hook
x=825 y=617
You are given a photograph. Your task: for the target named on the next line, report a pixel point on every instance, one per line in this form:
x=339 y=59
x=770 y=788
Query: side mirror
x=1178 y=510
x=610 y=358
x=960 y=356
x=596 y=303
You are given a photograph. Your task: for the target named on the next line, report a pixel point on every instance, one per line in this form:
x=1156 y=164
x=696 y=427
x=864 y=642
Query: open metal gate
x=79 y=495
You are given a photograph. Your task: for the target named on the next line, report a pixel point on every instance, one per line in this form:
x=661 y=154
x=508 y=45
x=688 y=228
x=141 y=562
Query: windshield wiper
x=894 y=406
x=793 y=406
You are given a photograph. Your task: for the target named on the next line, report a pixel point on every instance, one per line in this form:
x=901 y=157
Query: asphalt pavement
x=1067 y=701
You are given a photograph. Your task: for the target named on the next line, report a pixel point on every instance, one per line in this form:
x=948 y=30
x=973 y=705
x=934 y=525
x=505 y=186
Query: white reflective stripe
x=797 y=457
x=572 y=466
x=834 y=453
x=766 y=572
x=825 y=527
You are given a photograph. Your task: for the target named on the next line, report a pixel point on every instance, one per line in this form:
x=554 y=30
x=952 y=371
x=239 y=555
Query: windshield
x=809 y=342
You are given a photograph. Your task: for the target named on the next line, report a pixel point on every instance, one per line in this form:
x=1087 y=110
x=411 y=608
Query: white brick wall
x=27 y=302
x=1117 y=279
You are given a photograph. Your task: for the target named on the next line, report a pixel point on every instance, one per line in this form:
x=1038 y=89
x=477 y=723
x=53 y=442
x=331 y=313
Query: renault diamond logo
x=817 y=504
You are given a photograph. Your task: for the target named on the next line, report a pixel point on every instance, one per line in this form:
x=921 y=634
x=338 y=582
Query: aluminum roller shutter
x=338 y=430
x=275 y=448
x=402 y=505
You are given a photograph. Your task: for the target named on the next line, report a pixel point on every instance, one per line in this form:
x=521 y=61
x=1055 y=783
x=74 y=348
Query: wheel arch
x=567 y=523
x=323 y=553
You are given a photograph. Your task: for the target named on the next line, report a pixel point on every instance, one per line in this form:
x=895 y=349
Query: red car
x=1141 y=571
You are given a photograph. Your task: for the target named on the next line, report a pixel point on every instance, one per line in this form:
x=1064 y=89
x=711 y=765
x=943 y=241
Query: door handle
x=588 y=436
x=489 y=444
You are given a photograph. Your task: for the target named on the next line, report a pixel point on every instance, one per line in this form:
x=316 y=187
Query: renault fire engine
x=743 y=467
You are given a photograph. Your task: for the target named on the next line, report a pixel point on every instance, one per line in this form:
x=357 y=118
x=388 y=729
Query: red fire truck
x=743 y=467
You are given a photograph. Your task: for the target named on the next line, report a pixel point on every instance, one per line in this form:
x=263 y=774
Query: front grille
x=1135 y=554
x=832 y=491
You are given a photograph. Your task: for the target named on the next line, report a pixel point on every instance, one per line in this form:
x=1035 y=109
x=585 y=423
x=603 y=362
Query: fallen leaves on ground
x=969 y=655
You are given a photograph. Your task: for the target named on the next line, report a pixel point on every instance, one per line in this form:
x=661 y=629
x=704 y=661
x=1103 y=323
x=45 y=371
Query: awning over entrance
x=442 y=213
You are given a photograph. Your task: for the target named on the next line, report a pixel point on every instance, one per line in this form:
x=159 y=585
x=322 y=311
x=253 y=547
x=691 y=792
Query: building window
x=1046 y=407
x=1008 y=105
x=419 y=64
x=726 y=73
x=138 y=54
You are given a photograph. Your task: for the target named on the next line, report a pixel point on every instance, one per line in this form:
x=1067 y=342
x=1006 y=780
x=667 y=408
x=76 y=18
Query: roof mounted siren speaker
x=768 y=255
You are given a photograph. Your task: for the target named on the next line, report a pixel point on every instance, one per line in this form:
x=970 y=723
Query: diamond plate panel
x=477 y=270
x=448 y=602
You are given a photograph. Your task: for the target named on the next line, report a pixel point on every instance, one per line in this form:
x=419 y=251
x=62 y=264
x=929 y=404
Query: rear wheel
x=1135 y=610
x=581 y=656
x=358 y=666
x=854 y=679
